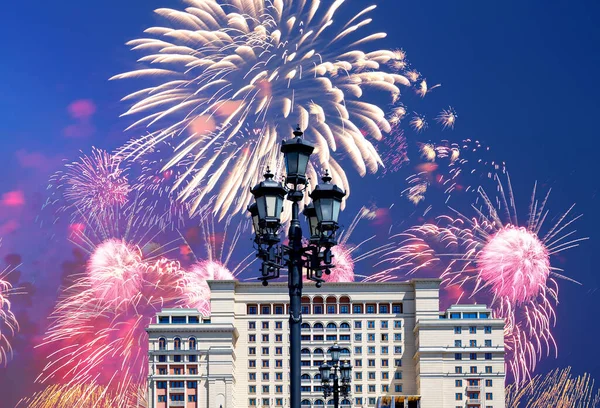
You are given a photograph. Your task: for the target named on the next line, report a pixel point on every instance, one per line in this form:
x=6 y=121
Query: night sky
x=521 y=75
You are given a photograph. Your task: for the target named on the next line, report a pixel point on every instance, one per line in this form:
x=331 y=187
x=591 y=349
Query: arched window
x=305 y=403
x=177 y=343
x=346 y=402
x=344 y=325
x=318 y=351
x=318 y=326
x=331 y=402
x=317 y=376
x=162 y=344
x=192 y=343
x=345 y=351
x=305 y=326
x=319 y=402
x=305 y=351
x=305 y=377
x=331 y=325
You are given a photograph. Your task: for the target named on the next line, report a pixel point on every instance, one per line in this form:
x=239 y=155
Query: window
x=252 y=401
x=371 y=388
x=279 y=389
x=265 y=351
x=193 y=370
x=489 y=396
x=265 y=376
x=384 y=308
x=358 y=337
x=252 y=376
x=371 y=401
x=357 y=309
x=265 y=309
x=279 y=401
x=384 y=349
x=484 y=315
x=251 y=338
x=371 y=324
x=385 y=375
x=192 y=358
x=371 y=349
x=458 y=383
x=192 y=384
x=457 y=330
x=161 y=384
x=397 y=336
x=176 y=384
x=472 y=330
x=163 y=320
x=458 y=370
x=370 y=309
x=357 y=350
x=358 y=324
x=193 y=319
x=252 y=309
x=371 y=362
x=488 y=369
x=265 y=363
x=177 y=359
x=162 y=371
x=278 y=338
x=162 y=344
x=192 y=343
x=488 y=356
x=371 y=375
x=398 y=375
x=385 y=362
x=473 y=370
x=472 y=343
x=305 y=309
x=488 y=383
x=252 y=389
x=344 y=309
x=397 y=362
x=265 y=389
x=251 y=363
x=357 y=363
x=278 y=325
x=162 y=398
x=371 y=337
x=472 y=356
x=397 y=349
x=177 y=371
x=358 y=375
x=265 y=338
x=397 y=324
x=177 y=343
x=251 y=351
x=278 y=376
x=278 y=363
x=398 y=388
x=344 y=337
x=397 y=308
x=318 y=309
x=473 y=383
x=358 y=388
x=487 y=329
x=331 y=337
x=176 y=397
x=384 y=337
x=330 y=309
x=469 y=315
x=458 y=356
x=265 y=325
x=265 y=402
x=458 y=396
x=162 y=359
x=454 y=315
x=488 y=343
x=278 y=310
x=384 y=324
x=457 y=343
x=358 y=401
x=385 y=388
x=278 y=351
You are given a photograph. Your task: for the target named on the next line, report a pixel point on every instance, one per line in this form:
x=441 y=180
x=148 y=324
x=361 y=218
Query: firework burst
x=237 y=74
x=418 y=122
x=490 y=256
x=82 y=396
x=8 y=321
x=447 y=118
x=559 y=388
x=94 y=184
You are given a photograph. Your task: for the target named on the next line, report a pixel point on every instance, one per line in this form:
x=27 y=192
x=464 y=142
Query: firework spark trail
x=447 y=118
x=94 y=184
x=81 y=396
x=490 y=255
x=234 y=76
x=559 y=388
x=8 y=321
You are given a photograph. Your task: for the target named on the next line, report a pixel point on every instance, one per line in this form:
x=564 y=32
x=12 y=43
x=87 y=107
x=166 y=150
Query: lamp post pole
x=315 y=258
x=331 y=375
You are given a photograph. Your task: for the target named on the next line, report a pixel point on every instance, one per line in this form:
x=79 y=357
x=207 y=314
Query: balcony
x=473 y=388
x=177 y=403
x=471 y=401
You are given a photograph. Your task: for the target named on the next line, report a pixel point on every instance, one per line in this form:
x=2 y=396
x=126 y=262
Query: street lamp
x=316 y=257
x=331 y=376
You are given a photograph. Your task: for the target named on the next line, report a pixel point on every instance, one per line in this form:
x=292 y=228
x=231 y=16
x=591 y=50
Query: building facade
x=398 y=342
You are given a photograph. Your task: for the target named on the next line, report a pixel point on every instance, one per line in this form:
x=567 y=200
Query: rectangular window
x=357 y=363
x=279 y=337
x=265 y=402
x=318 y=337
x=278 y=351
x=265 y=363
x=178 y=320
x=278 y=310
x=489 y=396
x=344 y=309
x=371 y=375
x=397 y=336
x=344 y=337
x=265 y=325
x=265 y=351
x=331 y=309
x=177 y=371
x=251 y=351
x=357 y=309
x=252 y=376
x=370 y=309
x=331 y=337
x=193 y=319
x=397 y=362
x=384 y=324
x=278 y=363
x=484 y=315
x=358 y=324
x=397 y=308
x=305 y=309
x=488 y=329
x=162 y=359
x=472 y=330
x=371 y=337
x=472 y=356
x=265 y=376
x=371 y=349
x=454 y=315
x=162 y=371
x=265 y=338
x=193 y=370
x=398 y=388
x=488 y=356
x=252 y=401
x=397 y=324
x=488 y=369
x=358 y=337
x=472 y=343
x=161 y=384
x=371 y=388
x=251 y=325
x=458 y=370
x=252 y=310
x=162 y=398
x=358 y=388
x=384 y=337
x=384 y=309
x=357 y=350
x=177 y=359
x=318 y=309
x=385 y=388
x=457 y=343
x=163 y=320
x=458 y=356
x=397 y=349
x=457 y=330
x=469 y=315
x=398 y=375
x=458 y=383
x=385 y=362
x=385 y=375
x=251 y=338
x=251 y=363
x=278 y=376
x=192 y=384
x=371 y=324
x=458 y=396
x=384 y=349
x=473 y=370
x=488 y=343
x=358 y=375
x=279 y=389
x=372 y=401
x=488 y=383
x=371 y=362
x=265 y=389
x=358 y=401
x=279 y=402
x=265 y=310
x=278 y=325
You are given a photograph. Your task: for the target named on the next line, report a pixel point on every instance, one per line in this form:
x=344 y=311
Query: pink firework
x=8 y=321
x=196 y=288
x=499 y=262
x=115 y=270
x=92 y=184
x=344 y=265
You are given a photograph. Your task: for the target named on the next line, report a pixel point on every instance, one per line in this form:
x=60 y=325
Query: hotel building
x=399 y=344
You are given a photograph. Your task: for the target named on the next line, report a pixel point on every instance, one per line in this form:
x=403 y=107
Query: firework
x=238 y=74
x=82 y=396
x=418 y=122
x=559 y=388
x=496 y=259
x=447 y=118
x=8 y=321
x=423 y=89
x=92 y=185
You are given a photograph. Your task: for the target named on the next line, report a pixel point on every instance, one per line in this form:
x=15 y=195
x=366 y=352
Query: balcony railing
x=473 y=401
x=176 y=403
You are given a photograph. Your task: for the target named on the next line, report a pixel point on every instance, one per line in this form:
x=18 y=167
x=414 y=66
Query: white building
x=398 y=342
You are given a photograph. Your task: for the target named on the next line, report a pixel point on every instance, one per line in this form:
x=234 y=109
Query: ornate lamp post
x=316 y=257
x=331 y=380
